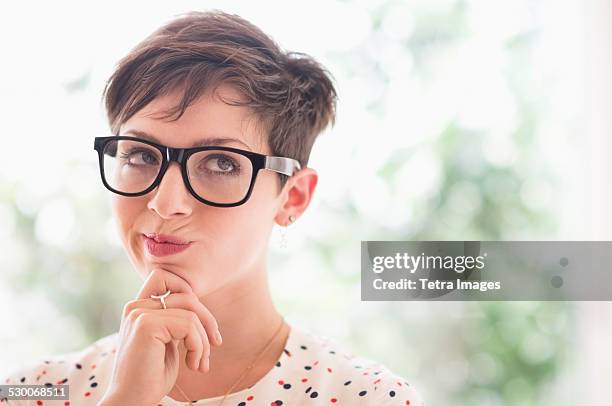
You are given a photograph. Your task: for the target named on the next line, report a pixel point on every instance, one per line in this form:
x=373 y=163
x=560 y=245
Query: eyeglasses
x=215 y=175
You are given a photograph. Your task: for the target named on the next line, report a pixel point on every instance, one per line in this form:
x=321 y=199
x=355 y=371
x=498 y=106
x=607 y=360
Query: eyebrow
x=211 y=141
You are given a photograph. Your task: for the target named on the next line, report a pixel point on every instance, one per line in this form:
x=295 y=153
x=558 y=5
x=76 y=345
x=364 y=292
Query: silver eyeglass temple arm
x=282 y=165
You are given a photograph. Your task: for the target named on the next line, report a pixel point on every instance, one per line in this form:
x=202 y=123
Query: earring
x=283 y=237
x=283 y=232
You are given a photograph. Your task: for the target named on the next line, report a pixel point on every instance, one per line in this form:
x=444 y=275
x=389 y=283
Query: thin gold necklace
x=245 y=371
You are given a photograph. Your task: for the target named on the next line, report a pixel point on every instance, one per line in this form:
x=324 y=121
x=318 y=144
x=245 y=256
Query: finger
x=185 y=301
x=206 y=323
x=191 y=302
x=180 y=305
x=139 y=303
x=201 y=360
x=165 y=326
x=150 y=303
x=159 y=281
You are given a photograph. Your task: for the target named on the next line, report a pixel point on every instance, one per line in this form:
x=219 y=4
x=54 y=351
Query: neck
x=247 y=321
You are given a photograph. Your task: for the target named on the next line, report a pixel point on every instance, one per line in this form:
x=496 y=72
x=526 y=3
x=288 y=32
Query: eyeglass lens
x=215 y=175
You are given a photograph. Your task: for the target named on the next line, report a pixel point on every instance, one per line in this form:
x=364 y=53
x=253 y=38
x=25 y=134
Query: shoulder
x=334 y=371
x=86 y=371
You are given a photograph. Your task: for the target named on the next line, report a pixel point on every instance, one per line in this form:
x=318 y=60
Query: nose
x=171 y=198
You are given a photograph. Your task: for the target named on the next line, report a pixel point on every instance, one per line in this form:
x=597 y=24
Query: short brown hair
x=291 y=94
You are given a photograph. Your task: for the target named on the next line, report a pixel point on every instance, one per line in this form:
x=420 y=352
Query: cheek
x=233 y=243
x=255 y=218
x=126 y=212
x=237 y=236
x=122 y=209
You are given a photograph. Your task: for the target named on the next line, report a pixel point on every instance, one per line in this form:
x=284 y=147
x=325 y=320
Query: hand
x=147 y=359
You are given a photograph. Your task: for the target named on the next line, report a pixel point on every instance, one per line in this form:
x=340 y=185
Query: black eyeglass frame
x=282 y=165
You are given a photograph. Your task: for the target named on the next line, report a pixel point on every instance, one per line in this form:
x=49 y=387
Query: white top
x=312 y=370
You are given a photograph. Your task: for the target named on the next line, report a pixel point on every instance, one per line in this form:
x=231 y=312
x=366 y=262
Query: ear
x=296 y=195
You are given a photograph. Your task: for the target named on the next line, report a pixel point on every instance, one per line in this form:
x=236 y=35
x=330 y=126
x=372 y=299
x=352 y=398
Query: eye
x=137 y=157
x=219 y=164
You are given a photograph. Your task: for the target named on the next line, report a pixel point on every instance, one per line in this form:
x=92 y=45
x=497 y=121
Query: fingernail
x=218 y=337
x=206 y=363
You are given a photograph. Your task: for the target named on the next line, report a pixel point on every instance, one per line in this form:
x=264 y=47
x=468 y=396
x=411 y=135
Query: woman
x=212 y=129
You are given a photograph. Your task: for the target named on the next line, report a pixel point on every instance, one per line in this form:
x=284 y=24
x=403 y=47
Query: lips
x=164 y=238
x=162 y=245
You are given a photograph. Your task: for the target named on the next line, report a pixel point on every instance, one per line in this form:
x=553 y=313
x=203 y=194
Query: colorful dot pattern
x=312 y=370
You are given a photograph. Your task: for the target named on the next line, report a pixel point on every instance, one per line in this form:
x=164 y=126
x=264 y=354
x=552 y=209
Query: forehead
x=206 y=118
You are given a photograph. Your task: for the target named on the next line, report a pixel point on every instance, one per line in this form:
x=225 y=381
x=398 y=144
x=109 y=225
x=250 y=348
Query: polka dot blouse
x=312 y=370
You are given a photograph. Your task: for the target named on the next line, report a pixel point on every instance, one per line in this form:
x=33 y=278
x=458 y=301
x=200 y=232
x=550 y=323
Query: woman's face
x=227 y=242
